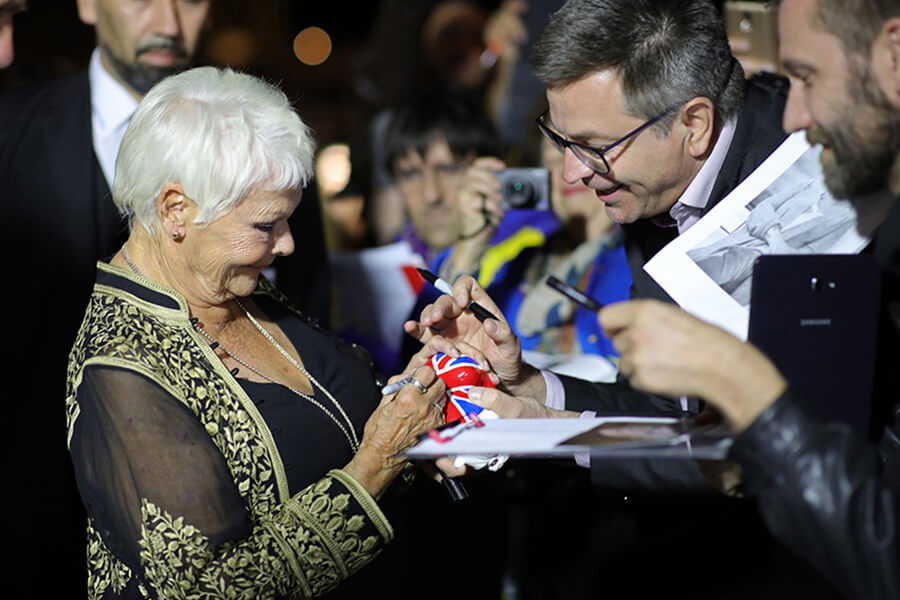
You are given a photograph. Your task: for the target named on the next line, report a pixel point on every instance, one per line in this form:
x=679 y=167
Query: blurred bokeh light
x=233 y=46
x=312 y=46
x=333 y=169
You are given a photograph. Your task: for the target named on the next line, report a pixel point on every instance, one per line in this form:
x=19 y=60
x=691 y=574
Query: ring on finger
x=420 y=385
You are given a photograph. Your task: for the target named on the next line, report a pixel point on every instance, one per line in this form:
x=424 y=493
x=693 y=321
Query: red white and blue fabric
x=459 y=374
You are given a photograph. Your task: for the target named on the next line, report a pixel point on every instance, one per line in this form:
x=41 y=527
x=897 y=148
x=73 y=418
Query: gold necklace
x=348 y=431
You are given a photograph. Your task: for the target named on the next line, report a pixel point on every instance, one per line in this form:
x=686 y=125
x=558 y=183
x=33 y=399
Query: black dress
x=197 y=484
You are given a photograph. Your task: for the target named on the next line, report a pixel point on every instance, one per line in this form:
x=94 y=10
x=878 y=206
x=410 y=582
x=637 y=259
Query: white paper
x=782 y=207
x=532 y=438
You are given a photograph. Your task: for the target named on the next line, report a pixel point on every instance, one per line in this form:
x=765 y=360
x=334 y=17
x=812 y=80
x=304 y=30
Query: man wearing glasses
x=650 y=110
x=653 y=112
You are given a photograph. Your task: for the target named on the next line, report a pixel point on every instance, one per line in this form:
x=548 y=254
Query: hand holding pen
x=479 y=311
x=452 y=323
x=455 y=488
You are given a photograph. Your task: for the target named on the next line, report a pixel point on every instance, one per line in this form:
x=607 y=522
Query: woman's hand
x=447 y=326
x=396 y=424
x=663 y=350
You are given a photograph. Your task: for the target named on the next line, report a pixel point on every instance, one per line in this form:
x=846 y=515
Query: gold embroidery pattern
x=168 y=545
x=104 y=570
x=168 y=355
x=298 y=548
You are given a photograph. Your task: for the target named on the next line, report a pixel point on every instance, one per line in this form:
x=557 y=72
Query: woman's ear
x=173 y=207
x=698 y=121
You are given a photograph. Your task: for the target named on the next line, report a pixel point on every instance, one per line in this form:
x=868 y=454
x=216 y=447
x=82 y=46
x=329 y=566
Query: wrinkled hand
x=394 y=426
x=663 y=350
x=449 y=327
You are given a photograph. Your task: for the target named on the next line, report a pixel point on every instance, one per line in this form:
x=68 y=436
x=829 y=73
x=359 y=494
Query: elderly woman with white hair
x=223 y=445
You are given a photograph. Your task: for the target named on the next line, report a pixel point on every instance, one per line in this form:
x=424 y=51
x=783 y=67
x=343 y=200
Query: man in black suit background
x=652 y=111
x=58 y=143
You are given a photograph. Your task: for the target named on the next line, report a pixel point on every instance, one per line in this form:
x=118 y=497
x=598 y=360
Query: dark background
x=50 y=40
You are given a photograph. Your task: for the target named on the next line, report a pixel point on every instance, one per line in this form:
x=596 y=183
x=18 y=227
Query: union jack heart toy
x=460 y=374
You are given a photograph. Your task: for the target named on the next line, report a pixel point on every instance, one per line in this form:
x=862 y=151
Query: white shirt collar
x=693 y=200
x=111 y=108
x=111 y=104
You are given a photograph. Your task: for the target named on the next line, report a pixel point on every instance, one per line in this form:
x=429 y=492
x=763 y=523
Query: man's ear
x=886 y=60
x=173 y=208
x=697 y=119
x=87 y=11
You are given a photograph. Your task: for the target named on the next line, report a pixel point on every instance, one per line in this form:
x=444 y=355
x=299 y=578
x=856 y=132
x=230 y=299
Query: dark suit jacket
x=57 y=219
x=58 y=214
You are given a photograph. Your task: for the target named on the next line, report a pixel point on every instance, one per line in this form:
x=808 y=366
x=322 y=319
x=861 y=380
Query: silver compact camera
x=525 y=188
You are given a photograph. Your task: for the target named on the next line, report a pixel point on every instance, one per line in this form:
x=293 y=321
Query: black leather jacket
x=826 y=492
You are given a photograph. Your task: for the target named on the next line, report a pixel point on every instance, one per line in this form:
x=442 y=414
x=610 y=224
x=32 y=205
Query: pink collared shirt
x=689 y=208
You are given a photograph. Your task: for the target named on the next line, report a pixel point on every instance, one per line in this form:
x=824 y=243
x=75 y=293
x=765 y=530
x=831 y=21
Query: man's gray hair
x=665 y=52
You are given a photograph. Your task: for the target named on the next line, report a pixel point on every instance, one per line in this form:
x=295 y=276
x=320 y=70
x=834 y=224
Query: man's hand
x=492 y=340
x=663 y=350
x=515 y=407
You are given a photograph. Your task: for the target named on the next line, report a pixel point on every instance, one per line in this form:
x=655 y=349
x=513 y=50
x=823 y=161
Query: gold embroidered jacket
x=185 y=490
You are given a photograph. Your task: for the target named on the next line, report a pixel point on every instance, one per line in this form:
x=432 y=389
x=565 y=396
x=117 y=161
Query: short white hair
x=219 y=134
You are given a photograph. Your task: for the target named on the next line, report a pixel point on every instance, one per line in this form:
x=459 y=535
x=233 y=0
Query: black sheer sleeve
x=160 y=496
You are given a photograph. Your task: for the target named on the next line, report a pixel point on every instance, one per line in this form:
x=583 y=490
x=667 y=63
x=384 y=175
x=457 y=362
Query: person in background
x=574 y=240
x=440 y=47
x=8 y=9
x=430 y=145
x=455 y=47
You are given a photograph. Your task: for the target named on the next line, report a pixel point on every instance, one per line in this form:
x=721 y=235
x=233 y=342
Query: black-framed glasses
x=594 y=156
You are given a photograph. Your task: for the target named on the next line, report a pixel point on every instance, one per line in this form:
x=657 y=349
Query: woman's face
x=224 y=258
